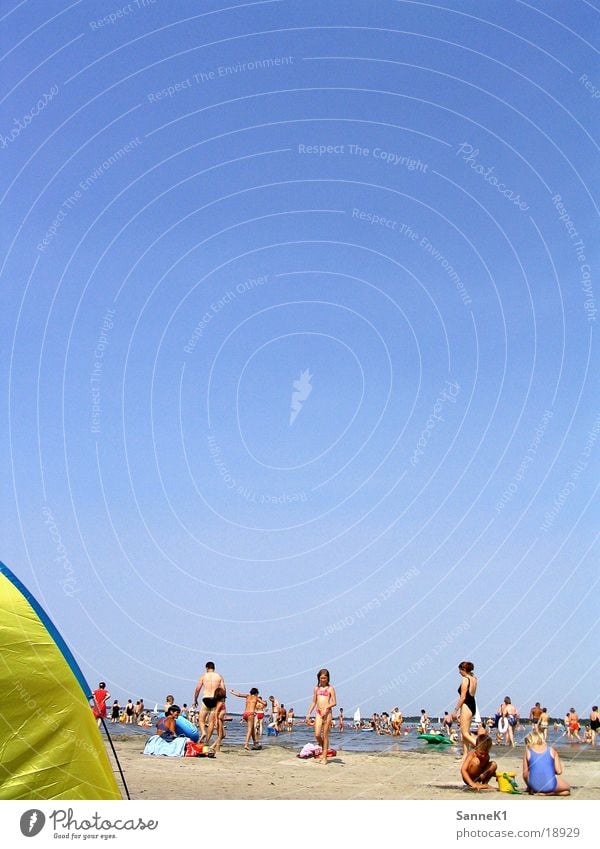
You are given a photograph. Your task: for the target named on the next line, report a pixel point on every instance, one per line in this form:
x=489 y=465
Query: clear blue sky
x=393 y=205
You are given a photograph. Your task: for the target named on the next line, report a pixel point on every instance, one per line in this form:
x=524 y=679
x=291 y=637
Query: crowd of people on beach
x=211 y=714
x=129 y=714
x=542 y=767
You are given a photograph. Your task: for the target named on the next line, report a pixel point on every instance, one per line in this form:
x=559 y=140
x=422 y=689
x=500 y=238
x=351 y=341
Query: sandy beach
x=276 y=773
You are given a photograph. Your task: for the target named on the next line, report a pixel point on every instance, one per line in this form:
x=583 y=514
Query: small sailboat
x=476 y=719
x=356 y=718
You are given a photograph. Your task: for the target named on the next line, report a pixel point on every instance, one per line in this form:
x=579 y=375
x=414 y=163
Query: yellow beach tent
x=50 y=745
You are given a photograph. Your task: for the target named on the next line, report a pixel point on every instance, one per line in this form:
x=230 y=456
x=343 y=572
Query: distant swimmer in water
x=465 y=707
x=341 y=720
x=535 y=713
x=324 y=700
x=447 y=723
x=281 y=718
x=397 y=720
x=543 y=722
x=572 y=723
x=275 y=708
x=594 y=724
x=509 y=711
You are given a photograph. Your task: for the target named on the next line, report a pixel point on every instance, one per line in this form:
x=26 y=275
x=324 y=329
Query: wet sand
x=276 y=773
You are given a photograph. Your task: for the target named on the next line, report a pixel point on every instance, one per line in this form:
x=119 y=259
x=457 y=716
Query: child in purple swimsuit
x=542 y=767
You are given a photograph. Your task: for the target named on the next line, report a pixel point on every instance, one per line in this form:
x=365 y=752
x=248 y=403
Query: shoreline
x=276 y=773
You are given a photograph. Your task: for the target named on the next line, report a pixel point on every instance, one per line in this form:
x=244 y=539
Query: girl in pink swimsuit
x=324 y=700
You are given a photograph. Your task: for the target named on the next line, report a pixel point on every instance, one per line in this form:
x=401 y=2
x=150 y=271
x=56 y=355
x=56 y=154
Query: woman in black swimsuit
x=465 y=707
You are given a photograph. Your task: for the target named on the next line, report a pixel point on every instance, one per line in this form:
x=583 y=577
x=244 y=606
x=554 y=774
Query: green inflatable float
x=435 y=738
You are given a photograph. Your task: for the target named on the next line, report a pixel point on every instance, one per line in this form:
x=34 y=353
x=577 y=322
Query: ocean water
x=349 y=740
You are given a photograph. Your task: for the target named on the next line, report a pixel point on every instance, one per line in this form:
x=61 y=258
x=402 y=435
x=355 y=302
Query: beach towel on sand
x=155 y=745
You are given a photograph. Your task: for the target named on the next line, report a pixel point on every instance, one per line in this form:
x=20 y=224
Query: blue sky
x=381 y=217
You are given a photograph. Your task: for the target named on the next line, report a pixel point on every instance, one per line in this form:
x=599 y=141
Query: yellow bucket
x=503 y=779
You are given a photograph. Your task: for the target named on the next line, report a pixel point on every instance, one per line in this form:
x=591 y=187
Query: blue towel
x=155 y=745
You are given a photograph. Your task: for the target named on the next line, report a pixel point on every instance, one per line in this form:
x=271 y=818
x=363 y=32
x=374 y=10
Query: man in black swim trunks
x=210 y=681
x=534 y=714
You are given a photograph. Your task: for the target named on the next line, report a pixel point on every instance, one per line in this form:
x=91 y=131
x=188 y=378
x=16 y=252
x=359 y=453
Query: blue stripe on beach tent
x=50 y=627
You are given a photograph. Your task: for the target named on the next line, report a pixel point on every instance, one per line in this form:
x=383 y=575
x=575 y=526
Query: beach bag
x=197 y=750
